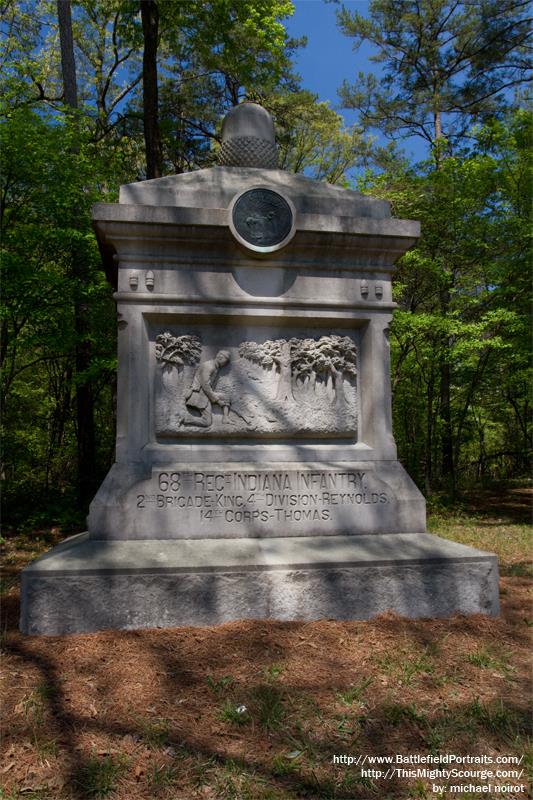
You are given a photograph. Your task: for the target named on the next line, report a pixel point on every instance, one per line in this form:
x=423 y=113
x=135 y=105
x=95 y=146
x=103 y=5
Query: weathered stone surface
x=256 y=472
x=248 y=138
x=214 y=188
x=261 y=386
x=85 y=585
x=211 y=501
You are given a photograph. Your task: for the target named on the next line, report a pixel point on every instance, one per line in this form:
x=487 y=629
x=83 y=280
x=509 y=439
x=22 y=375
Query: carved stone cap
x=248 y=138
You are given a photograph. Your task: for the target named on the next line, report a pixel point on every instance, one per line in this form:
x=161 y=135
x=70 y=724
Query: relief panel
x=215 y=383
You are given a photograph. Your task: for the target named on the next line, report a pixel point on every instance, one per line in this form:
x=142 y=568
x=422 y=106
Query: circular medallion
x=262 y=220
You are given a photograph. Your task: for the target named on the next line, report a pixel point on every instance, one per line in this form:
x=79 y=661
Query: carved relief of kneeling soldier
x=202 y=396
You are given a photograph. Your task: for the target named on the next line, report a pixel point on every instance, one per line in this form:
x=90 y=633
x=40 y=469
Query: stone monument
x=256 y=473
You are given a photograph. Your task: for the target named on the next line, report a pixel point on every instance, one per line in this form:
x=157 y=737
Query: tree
x=80 y=270
x=68 y=65
x=474 y=212
x=177 y=350
x=212 y=56
x=337 y=357
x=445 y=63
x=152 y=137
x=39 y=340
x=313 y=138
x=331 y=357
x=72 y=133
x=273 y=352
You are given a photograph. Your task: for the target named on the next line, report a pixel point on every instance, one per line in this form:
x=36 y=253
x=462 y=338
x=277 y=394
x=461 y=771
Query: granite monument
x=256 y=473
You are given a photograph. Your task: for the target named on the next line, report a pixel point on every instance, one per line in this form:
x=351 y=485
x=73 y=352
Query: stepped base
x=86 y=585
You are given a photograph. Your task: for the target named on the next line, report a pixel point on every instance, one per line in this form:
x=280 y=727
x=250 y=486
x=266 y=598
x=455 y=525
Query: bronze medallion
x=262 y=219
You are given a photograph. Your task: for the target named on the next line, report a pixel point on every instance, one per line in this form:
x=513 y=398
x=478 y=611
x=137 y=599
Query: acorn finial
x=248 y=138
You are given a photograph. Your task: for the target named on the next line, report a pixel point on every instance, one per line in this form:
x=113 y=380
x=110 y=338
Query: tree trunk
x=338 y=386
x=447 y=455
x=152 y=136
x=284 y=391
x=437 y=144
x=447 y=459
x=68 y=65
x=447 y=463
x=428 y=467
x=448 y=466
x=80 y=271
x=438 y=125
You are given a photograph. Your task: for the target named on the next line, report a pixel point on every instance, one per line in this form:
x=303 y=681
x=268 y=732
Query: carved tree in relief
x=303 y=363
x=332 y=358
x=177 y=350
x=272 y=352
x=336 y=358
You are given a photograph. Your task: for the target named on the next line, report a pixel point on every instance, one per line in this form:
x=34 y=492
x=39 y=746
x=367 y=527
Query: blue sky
x=329 y=57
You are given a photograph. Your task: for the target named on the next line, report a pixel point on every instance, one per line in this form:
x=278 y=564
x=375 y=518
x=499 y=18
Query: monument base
x=86 y=585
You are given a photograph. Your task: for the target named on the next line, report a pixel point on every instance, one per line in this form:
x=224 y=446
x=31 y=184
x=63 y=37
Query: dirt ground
x=262 y=709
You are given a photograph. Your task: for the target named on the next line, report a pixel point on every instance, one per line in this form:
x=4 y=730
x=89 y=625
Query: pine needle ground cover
x=257 y=710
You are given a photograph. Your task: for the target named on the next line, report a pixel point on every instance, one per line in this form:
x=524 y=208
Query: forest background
x=96 y=94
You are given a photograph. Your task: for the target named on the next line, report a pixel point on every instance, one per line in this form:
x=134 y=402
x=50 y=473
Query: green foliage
x=461 y=367
x=312 y=138
x=57 y=162
x=443 y=64
x=51 y=174
x=99 y=776
x=464 y=297
x=212 y=55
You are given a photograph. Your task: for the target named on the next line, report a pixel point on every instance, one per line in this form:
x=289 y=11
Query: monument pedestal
x=228 y=500
x=256 y=471
x=85 y=585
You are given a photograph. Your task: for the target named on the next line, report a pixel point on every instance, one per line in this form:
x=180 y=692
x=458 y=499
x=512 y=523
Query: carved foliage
x=302 y=385
x=177 y=350
x=329 y=358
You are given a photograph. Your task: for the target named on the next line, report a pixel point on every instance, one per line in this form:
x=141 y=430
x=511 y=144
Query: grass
x=396 y=713
x=511 y=541
x=162 y=776
x=354 y=694
x=98 y=777
x=220 y=686
x=497 y=719
x=35 y=709
x=264 y=705
x=406 y=666
x=154 y=732
x=491 y=657
x=268 y=707
x=273 y=671
x=234 y=713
